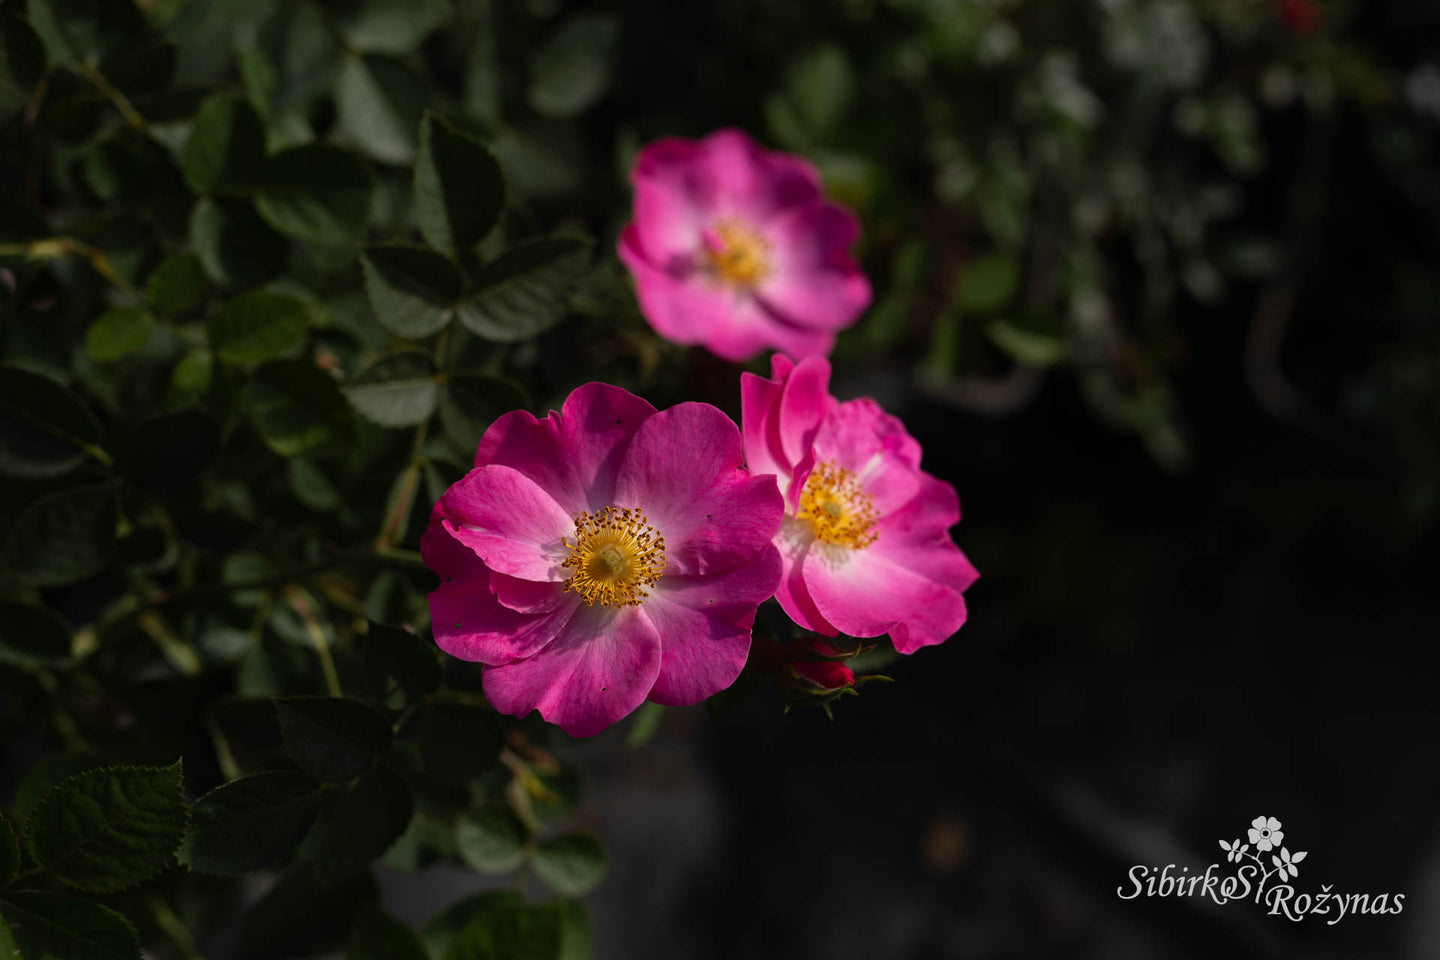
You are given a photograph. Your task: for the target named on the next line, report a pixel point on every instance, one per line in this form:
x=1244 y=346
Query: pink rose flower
x=865 y=542
x=734 y=247
x=605 y=554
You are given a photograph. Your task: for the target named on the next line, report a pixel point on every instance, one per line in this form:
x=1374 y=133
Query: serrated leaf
x=62 y=538
x=516 y=931
x=111 y=828
x=316 y=193
x=226 y=148
x=375 y=935
x=117 y=334
x=165 y=453
x=237 y=248
x=298 y=408
x=379 y=104
x=459 y=188
x=32 y=636
x=525 y=291
x=311 y=486
x=57 y=926
x=413 y=290
x=490 y=841
x=367 y=818
x=449 y=923
x=44 y=428
x=332 y=738
x=573 y=69
x=258 y=326
x=400 y=390
x=176 y=286
x=393 y=26
x=22 y=63
x=395 y=659
x=9 y=853
x=571 y=864
x=252 y=823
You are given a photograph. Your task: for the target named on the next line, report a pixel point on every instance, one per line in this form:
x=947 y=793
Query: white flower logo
x=1285 y=864
x=1265 y=833
x=1234 y=850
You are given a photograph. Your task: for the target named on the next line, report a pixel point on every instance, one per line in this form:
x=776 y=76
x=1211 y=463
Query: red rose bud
x=822 y=663
x=1301 y=16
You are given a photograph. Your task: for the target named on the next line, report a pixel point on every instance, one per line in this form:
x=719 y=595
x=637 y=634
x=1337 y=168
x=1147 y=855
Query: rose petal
x=509 y=521
x=469 y=623
x=596 y=671
x=815 y=281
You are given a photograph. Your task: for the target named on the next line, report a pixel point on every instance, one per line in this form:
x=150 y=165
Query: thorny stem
x=127 y=110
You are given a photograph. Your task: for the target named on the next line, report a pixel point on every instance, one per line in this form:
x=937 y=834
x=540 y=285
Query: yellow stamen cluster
x=616 y=555
x=838 y=508
x=742 y=256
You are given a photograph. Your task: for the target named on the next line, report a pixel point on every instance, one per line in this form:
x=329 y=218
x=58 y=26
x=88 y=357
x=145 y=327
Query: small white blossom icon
x=1234 y=850
x=1265 y=833
x=1285 y=863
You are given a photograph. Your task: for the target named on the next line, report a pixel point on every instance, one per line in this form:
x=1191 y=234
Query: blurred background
x=1156 y=289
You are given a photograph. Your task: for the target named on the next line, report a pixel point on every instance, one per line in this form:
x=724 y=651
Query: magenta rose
x=865 y=542
x=605 y=554
x=734 y=247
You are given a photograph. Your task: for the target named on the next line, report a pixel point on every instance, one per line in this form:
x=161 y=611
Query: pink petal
x=596 y=671
x=816 y=282
x=685 y=470
x=509 y=521
x=856 y=430
x=529 y=596
x=865 y=595
x=469 y=623
x=753 y=183
x=446 y=556
x=793 y=594
x=705 y=625
x=573 y=454
x=781 y=417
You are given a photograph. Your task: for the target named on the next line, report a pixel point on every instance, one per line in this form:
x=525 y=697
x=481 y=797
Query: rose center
x=838 y=508
x=737 y=254
x=616 y=555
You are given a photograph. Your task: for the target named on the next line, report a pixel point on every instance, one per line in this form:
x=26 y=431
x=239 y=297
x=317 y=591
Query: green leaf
x=988 y=283
x=448 y=924
x=177 y=285
x=316 y=193
x=311 y=486
x=375 y=935
x=573 y=69
x=252 y=823
x=470 y=402
x=526 y=290
x=459 y=188
x=191 y=378
x=393 y=26
x=379 y=103
x=9 y=853
x=32 y=636
x=298 y=408
x=237 y=248
x=22 y=63
x=41 y=778
x=576 y=940
x=117 y=334
x=258 y=326
x=226 y=149
x=491 y=841
x=111 y=828
x=1032 y=340
x=332 y=738
x=400 y=390
x=646 y=721
x=516 y=932
x=397 y=659
x=57 y=926
x=368 y=817
x=413 y=290
x=62 y=538
x=44 y=428
x=458 y=741
x=817 y=93
x=165 y=453
x=571 y=864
